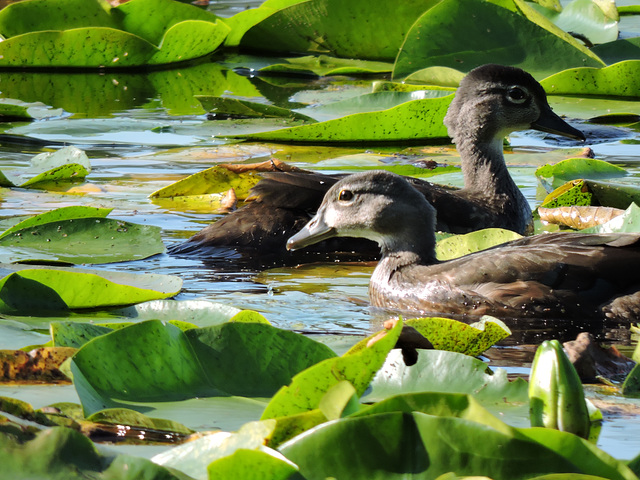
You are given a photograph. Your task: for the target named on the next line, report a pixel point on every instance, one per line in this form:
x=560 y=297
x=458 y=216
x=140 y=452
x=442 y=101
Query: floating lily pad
x=459 y=245
x=553 y=176
x=619 y=80
x=78 y=235
x=324 y=65
x=414 y=120
x=243 y=108
x=497 y=32
x=246 y=359
x=47 y=289
x=575 y=192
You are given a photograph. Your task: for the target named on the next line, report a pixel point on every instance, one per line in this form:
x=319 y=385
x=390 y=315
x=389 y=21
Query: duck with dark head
x=491 y=102
x=558 y=275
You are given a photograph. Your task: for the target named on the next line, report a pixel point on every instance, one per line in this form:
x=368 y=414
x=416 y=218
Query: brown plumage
x=559 y=275
x=492 y=101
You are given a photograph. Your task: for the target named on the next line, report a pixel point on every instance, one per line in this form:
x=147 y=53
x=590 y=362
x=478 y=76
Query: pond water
x=143 y=132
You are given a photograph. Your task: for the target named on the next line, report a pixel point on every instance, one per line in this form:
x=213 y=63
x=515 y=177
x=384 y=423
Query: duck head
x=495 y=100
x=377 y=205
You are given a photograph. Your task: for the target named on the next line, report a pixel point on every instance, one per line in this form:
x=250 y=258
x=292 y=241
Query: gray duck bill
x=549 y=122
x=313 y=232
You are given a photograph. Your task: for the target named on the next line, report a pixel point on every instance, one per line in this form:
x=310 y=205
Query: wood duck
x=558 y=275
x=491 y=102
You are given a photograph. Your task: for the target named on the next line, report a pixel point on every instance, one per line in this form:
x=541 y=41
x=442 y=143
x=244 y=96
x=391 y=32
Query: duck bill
x=313 y=232
x=549 y=122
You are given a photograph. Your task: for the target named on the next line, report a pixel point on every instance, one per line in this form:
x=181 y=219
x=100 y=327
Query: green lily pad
x=324 y=65
x=619 y=80
x=459 y=245
x=244 y=108
x=454 y=336
x=246 y=359
x=126 y=416
x=78 y=235
x=616 y=195
x=216 y=179
x=553 y=176
x=49 y=169
x=442 y=371
x=193 y=458
x=414 y=120
x=308 y=387
x=47 y=289
x=619 y=50
x=575 y=192
x=248 y=464
x=61 y=452
x=302 y=28
x=444 y=76
x=351 y=448
x=497 y=32
x=586 y=18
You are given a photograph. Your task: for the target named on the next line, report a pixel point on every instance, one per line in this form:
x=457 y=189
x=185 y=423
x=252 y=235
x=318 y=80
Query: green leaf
x=455 y=336
x=450 y=372
x=40 y=289
x=244 y=464
x=323 y=65
x=99 y=47
x=309 y=386
x=189 y=40
x=302 y=28
x=152 y=19
x=63 y=453
x=247 y=359
x=193 y=458
x=125 y=416
x=74 y=334
x=459 y=245
x=618 y=50
x=73 y=235
x=216 y=179
x=575 y=192
x=500 y=31
x=586 y=18
x=352 y=448
x=414 y=120
x=445 y=76
x=38 y=15
x=553 y=176
x=238 y=107
x=616 y=195
x=619 y=80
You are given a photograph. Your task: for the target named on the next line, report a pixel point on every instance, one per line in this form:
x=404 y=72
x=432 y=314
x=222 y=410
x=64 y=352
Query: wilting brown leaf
x=272 y=165
x=41 y=365
x=229 y=201
x=578 y=217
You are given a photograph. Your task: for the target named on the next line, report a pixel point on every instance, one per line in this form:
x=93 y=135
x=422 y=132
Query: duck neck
x=484 y=169
x=414 y=245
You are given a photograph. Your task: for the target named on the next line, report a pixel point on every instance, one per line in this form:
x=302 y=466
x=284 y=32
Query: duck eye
x=345 y=195
x=516 y=95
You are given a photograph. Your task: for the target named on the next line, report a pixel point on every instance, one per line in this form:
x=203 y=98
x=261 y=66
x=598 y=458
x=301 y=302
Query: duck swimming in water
x=491 y=102
x=557 y=275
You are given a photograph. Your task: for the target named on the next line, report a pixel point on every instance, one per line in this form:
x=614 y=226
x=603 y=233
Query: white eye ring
x=517 y=95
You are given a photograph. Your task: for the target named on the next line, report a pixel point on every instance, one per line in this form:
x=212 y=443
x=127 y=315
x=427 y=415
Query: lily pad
x=414 y=120
x=302 y=28
x=48 y=289
x=497 y=32
x=324 y=65
x=442 y=371
x=246 y=359
x=575 y=192
x=61 y=452
x=619 y=80
x=78 y=235
x=553 y=176
x=243 y=108
x=459 y=245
